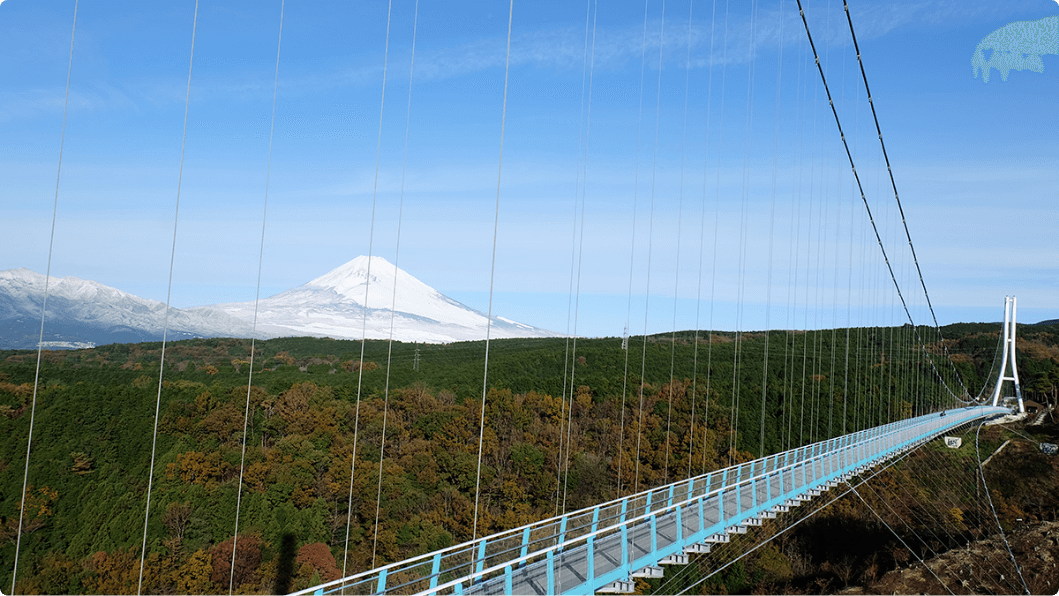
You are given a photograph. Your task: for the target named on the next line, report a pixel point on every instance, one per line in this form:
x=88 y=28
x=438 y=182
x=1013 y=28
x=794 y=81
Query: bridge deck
x=593 y=548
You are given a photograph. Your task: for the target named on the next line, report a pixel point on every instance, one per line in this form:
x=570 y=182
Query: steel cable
x=257 y=300
x=169 y=292
x=43 y=308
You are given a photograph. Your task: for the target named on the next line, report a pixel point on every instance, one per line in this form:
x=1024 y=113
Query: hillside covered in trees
x=563 y=426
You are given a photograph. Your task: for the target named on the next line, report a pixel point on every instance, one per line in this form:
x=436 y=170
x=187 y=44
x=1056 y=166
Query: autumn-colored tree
x=116 y=572
x=257 y=476
x=319 y=557
x=194 y=574
x=225 y=423
x=54 y=573
x=247 y=561
x=196 y=467
x=23 y=392
x=293 y=407
x=355 y=365
x=38 y=508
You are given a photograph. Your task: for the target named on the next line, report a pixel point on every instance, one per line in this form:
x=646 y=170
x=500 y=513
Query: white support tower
x=1009 y=349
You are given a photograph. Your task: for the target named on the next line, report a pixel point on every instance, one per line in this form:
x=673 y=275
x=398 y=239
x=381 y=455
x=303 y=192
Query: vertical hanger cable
x=44 y=307
x=169 y=292
x=257 y=300
x=492 y=272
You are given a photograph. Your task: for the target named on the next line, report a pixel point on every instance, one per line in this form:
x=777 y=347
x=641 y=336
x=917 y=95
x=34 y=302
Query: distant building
x=1032 y=407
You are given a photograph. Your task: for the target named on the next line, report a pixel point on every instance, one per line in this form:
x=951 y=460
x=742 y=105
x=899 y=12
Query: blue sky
x=977 y=164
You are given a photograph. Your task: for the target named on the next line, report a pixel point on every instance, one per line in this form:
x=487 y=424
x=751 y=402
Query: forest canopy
x=560 y=425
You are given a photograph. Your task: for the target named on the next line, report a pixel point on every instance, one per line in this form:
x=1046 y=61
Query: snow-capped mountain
x=334 y=304
x=84 y=311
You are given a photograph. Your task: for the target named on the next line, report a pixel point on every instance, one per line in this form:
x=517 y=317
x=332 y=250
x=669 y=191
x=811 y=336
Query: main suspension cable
x=897 y=198
x=864 y=198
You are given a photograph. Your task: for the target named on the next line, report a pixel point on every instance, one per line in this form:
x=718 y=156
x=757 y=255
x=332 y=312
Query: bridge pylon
x=1009 y=351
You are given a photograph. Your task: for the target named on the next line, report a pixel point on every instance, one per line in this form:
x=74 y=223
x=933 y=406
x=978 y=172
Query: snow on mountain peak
x=377 y=278
x=80 y=309
x=334 y=305
x=24 y=282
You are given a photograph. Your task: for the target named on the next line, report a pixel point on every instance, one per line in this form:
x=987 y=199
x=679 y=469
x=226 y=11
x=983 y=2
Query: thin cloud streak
x=559 y=48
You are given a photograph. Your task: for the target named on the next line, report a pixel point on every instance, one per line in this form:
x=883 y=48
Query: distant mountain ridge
x=88 y=312
x=82 y=311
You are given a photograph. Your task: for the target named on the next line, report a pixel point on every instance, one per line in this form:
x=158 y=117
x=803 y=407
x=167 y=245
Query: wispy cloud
x=616 y=47
x=714 y=38
x=32 y=103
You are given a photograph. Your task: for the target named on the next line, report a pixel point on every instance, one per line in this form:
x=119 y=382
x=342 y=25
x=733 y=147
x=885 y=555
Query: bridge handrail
x=662 y=511
x=809 y=453
x=474 y=544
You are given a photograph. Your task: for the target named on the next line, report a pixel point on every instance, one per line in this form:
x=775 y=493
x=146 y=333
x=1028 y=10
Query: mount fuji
x=84 y=313
x=334 y=305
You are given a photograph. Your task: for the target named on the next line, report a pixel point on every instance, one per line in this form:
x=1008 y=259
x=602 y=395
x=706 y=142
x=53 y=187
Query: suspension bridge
x=603 y=548
x=836 y=215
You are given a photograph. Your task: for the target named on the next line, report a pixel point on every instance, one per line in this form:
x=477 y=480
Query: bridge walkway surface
x=602 y=548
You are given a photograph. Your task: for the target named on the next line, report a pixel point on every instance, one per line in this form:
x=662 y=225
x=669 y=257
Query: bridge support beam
x=680 y=559
x=618 y=587
x=649 y=571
